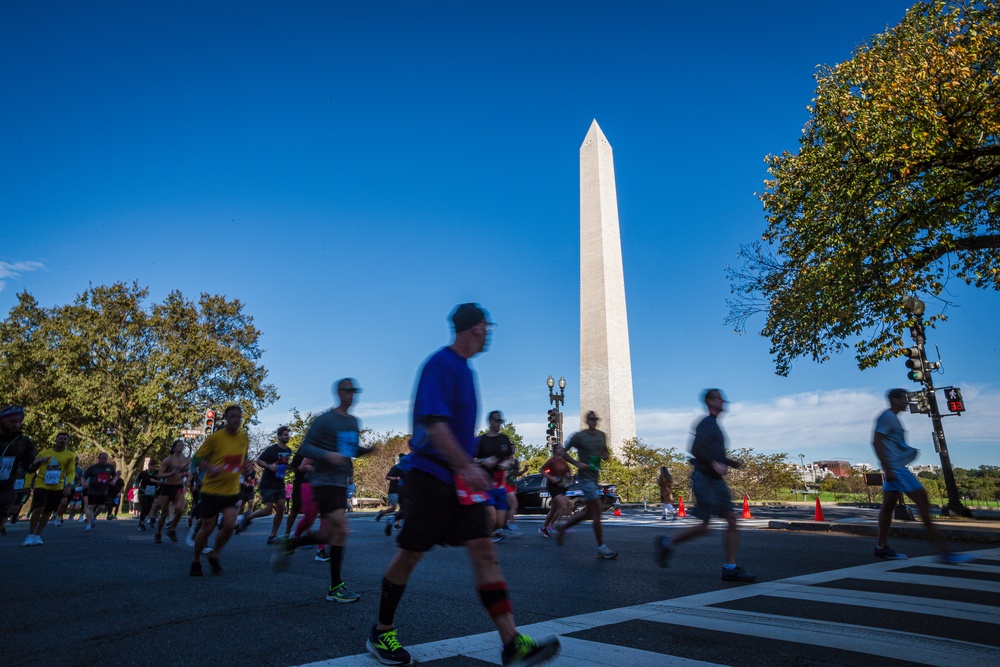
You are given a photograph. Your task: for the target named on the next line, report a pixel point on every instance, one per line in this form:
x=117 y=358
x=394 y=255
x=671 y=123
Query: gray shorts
x=393 y=499
x=591 y=489
x=712 y=497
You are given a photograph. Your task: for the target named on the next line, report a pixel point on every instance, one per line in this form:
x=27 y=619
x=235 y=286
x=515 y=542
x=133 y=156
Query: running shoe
x=737 y=574
x=172 y=534
x=952 y=558
x=497 y=537
x=272 y=539
x=242 y=522
x=386 y=648
x=89 y=527
x=142 y=528
x=213 y=562
x=378 y=517
x=888 y=553
x=604 y=552
x=58 y=522
x=513 y=530
x=192 y=532
x=388 y=528
x=38 y=541
x=341 y=593
x=196 y=569
x=322 y=555
x=544 y=532
x=29 y=541
x=663 y=548
x=525 y=651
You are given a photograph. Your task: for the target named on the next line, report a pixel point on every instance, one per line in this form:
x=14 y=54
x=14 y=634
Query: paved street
x=112 y=597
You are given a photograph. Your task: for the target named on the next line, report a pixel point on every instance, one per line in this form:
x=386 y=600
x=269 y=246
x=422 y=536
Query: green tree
x=636 y=466
x=370 y=470
x=894 y=191
x=760 y=475
x=126 y=378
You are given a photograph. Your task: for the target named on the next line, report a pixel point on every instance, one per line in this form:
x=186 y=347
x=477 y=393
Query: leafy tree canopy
x=894 y=191
x=126 y=378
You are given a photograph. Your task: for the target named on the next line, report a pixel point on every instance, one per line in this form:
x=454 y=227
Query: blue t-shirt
x=898 y=454
x=446 y=390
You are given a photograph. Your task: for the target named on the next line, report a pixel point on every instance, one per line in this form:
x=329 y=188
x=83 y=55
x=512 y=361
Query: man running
x=332 y=441
x=592 y=449
x=557 y=481
x=145 y=484
x=274 y=461
x=495 y=454
x=446 y=489
x=173 y=472
x=17 y=453
x=221 y=456
x=114 y=499
x=52 y=483
x=710 y=491
x=393 y=477
x=889 y=442
x=97 y=479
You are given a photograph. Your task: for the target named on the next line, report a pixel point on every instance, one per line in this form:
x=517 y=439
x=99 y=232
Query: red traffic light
x=209 y=414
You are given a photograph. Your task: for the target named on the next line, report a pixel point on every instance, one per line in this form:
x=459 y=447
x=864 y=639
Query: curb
x=952 y=533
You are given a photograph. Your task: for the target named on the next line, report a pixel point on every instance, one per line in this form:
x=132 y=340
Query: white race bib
x=6 y=467
x=19 y=484
x=52 y=476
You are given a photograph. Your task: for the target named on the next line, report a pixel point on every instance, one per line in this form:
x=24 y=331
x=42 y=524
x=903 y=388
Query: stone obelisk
x=605 y=362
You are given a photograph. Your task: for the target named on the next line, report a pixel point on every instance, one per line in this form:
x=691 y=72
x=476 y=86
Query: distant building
x=836 y=468
x=916 y=470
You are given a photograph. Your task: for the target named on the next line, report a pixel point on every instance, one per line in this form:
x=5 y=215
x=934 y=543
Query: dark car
x=532 y=495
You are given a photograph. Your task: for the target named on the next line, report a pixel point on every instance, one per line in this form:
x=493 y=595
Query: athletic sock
x=494 y=598
x=389 y=600
x=336 y=558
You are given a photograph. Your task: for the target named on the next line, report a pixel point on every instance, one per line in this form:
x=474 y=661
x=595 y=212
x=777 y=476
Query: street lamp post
x=557 y=400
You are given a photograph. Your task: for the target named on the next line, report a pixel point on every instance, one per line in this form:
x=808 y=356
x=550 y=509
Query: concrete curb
x=987 y=534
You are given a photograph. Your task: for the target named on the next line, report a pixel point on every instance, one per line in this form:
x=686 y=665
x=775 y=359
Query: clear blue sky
x=351 y=171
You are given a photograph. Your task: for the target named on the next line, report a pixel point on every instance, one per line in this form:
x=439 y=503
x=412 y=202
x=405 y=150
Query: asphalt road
x=113 y=597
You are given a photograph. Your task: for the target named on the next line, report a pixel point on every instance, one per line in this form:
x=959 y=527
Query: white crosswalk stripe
x=697 y=611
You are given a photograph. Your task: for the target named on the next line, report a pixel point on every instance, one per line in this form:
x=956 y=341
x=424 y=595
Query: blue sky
x=352 y=170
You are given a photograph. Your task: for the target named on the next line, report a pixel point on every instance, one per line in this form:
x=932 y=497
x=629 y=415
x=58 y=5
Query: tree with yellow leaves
x=895 y=191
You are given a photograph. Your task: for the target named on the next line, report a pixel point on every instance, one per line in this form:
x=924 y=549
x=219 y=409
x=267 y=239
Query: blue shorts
x=498 y=499
x=712 y=497
x=905 y=482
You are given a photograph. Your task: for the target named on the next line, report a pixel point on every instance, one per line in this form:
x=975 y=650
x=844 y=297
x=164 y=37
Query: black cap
x=466 y=316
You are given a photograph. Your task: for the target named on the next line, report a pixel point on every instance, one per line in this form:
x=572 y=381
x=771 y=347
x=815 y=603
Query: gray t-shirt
x=331 y=432
x=590 y=449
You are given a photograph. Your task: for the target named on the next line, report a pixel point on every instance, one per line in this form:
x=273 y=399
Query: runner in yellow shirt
x=52 y=481
x=221 y=456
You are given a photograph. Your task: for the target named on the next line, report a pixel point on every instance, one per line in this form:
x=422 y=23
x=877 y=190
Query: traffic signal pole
x=922 y=374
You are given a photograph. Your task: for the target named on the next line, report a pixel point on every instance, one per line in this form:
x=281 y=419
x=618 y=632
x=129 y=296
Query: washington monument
x=605 y=362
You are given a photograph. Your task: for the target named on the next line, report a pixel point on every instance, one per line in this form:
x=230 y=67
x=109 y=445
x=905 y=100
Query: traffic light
x=209 y=421
x=916 y=363
x=918 y=402
x=553 y=422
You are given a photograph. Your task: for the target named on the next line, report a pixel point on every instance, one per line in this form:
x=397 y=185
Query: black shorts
x=97 y=501
x=555 y=489
x=7 y=499
x=330 y=498
x=169 y=490
x=22 y=496
x=47 y=499
x=246 y=494
x=209 y=505
x=434 y=515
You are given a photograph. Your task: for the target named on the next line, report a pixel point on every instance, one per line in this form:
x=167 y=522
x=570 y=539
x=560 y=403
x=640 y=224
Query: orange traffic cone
x=746 y=508
x=819 y=511
x=618 y=511
x=680 y=507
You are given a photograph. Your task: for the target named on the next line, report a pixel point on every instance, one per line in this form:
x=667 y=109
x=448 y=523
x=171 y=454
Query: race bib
x=6 y=467
x=280 y=470
x=347 y=443
x=102 y=478
x=19 y=484
x=232 y=463
x=149 y=490
x=52 y=476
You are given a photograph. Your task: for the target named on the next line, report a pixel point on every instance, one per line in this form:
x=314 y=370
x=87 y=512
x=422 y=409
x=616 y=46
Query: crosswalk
x=918 y=586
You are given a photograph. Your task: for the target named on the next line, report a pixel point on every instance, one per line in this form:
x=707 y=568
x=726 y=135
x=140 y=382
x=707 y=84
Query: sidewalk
x=955 y=530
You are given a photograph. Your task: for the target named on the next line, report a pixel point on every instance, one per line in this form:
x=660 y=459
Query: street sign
x=192 y=433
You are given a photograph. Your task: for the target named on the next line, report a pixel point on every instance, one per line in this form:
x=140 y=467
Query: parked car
x=532 y=495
